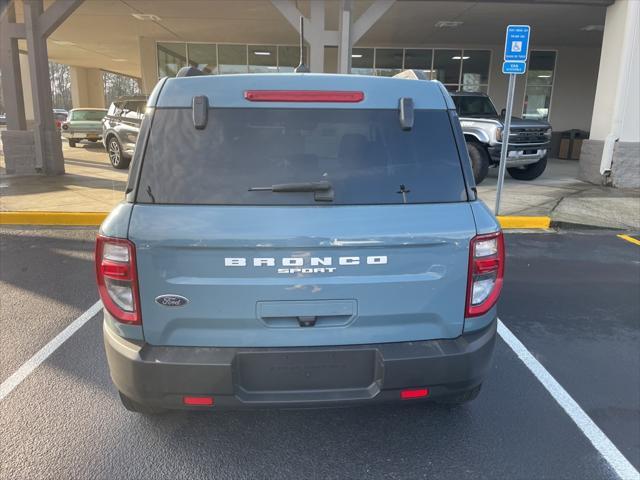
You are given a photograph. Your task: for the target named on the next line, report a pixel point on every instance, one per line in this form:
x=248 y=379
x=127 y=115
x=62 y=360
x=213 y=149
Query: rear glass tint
x=364 y=155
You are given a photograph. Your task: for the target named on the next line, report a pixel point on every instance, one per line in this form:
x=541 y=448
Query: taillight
x=118 y=279
x=486 y=273
x=303 y=96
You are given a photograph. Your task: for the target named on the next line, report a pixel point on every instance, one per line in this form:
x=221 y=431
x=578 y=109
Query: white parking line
x=30 y=365
x=598 y=439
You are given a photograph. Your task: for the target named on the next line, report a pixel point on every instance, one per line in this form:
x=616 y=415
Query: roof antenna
x=302 y=68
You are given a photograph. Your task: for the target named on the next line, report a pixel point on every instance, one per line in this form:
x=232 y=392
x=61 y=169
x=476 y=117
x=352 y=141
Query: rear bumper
x=82 y=135
x=297 y=377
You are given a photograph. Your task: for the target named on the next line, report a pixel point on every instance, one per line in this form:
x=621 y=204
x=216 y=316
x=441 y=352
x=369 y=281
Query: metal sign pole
x=505 y=140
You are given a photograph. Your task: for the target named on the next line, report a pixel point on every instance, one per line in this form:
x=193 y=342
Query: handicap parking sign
x=515 y=68
x=517 y=43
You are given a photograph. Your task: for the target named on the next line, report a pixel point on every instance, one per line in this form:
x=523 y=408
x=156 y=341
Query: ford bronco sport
x=298 y=240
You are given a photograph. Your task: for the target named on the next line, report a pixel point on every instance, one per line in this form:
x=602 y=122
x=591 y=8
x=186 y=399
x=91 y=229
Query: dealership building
x=583 y=72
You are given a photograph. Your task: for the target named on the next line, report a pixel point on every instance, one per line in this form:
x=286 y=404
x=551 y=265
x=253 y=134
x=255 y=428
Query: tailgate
x=292 y=276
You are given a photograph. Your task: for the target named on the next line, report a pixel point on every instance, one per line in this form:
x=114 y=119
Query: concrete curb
x=96 y=218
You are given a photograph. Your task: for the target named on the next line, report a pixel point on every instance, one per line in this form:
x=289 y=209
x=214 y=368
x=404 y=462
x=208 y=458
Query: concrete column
x=48 y=146
x=612 y=153
x=29 y=115
x=11 y=74
x=87 y=87
x=148 y=64
x=344 y=37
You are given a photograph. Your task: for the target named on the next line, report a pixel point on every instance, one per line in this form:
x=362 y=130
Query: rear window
x=88 y=115
x=471 y=106
x=364 y=155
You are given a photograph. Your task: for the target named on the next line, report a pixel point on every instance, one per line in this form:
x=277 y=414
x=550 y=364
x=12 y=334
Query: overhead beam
x=369 y=18
x=57 y=13
x=289 y=11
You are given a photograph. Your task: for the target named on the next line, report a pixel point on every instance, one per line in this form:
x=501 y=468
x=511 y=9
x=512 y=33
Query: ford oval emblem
x=172 y=300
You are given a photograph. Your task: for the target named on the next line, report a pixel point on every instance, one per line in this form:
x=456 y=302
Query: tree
x=116 y=85
x=60 y=77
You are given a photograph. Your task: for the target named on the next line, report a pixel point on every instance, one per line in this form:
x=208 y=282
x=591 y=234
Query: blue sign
x=516 y=45
x=516 y=68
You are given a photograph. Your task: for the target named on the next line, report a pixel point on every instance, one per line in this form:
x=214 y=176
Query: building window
x=215 y=59
x=466 y=70
x=289 y=58
x=263 y=59
x=388 y=61
x=204 y=57
x=362 y=61
x=475 y=70
x=446 y=68
x=171 y=58
x=418 y=59
x=232 y=59
x=540 y=74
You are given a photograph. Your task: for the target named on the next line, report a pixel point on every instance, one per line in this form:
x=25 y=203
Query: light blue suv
x=299 y=240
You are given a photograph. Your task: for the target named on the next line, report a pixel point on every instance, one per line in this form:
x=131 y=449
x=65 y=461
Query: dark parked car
x=59 y=117
x=120 y=129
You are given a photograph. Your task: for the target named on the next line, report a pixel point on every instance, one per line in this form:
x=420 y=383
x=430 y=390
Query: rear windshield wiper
x=323 y=190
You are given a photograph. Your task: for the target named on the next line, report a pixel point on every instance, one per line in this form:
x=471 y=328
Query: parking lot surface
x=571 y=299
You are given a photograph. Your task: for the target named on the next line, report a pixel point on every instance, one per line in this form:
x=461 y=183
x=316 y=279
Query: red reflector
x=414 y=393
x=115 y=269
x=302 y=96
x=199 y=401
x=486 y=265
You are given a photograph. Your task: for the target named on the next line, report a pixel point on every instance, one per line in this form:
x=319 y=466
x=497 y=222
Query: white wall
x=618 y=29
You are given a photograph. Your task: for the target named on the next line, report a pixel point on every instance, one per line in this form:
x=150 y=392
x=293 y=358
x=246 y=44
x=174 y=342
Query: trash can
x=571 y=143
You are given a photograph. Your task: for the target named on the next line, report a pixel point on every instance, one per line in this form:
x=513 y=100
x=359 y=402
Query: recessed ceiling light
x=457 y=57
x=356 y=55
x=146 y=16
x=262 y=53
x=592 y=28
x=63 y=43
x=448 y=24
x=544 y=76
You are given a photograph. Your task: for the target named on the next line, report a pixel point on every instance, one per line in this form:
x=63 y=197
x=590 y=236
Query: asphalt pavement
x=571 y=299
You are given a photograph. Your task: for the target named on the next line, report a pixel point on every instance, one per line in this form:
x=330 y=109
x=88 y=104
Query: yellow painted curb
x=635 y=241
x=52 y=218
x=509 y=221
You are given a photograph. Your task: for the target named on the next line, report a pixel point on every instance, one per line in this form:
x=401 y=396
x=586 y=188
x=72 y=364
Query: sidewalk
x=92 y=185
x=558 y=194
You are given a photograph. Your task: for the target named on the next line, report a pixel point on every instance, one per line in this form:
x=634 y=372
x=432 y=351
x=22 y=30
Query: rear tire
x=529 y=172
x=72 y=143
x=116 y=156
x=136 y=407
x=479 y=161
x=461 y=398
